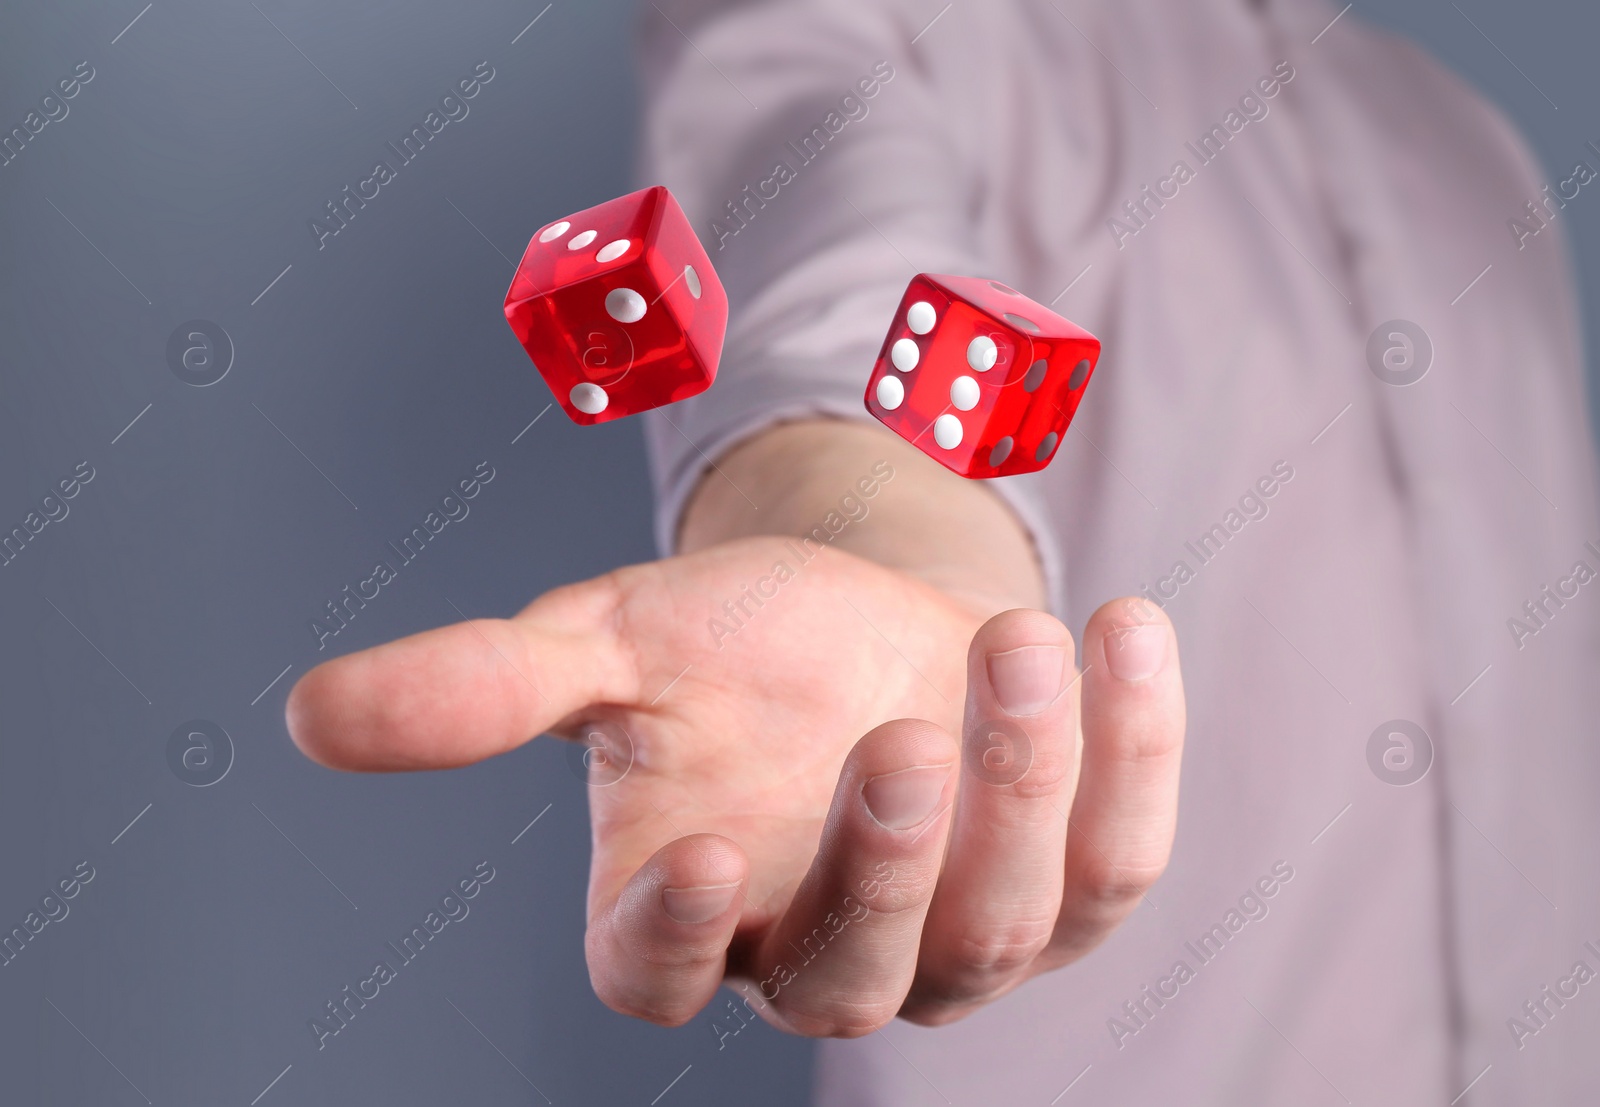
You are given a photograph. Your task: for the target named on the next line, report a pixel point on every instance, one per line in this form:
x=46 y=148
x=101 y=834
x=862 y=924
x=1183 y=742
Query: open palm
x=744 y=829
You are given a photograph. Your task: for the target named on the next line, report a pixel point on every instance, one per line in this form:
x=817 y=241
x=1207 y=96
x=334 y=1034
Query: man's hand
x=852 y=800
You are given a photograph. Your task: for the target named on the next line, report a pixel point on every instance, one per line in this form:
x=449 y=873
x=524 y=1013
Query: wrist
x=865 y=491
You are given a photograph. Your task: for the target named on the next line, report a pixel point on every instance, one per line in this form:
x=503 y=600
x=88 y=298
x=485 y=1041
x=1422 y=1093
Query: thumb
x=458 y=694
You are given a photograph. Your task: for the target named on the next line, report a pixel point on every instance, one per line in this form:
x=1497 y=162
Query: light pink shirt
x=1376 y=583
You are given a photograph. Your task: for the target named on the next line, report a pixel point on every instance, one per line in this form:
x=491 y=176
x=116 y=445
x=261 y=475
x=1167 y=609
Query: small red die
x=619 y=308
x=979 y=377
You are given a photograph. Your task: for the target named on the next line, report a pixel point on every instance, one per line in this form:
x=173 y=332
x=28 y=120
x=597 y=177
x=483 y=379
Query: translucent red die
x=979 y=377
x=619 y=308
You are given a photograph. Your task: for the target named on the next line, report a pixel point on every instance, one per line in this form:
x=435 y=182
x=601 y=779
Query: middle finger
x=997 y=900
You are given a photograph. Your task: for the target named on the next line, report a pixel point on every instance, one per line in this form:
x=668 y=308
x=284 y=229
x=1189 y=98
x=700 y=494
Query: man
x=1385 y=872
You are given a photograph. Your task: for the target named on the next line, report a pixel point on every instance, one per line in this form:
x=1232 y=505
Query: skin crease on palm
x=743 y=819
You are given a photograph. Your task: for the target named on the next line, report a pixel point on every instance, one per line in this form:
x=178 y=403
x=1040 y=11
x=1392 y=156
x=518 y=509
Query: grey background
x=183 y=579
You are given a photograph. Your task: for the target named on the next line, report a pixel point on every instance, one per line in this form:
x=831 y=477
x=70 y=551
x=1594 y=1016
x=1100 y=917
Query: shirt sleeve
x=824 y=158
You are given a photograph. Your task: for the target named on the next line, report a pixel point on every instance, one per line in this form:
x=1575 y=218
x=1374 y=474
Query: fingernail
x=1027 y=680
x=902 y=800
x=698 y=905
x=1136 y=652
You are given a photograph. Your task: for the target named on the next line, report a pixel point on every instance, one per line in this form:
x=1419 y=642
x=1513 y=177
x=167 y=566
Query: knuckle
x=1148 y=747
x=842 y=1019
x=909 y=890
x=1116 y=884
x=982 y=953
x=977 y=966
x=937 y=1002
x=1136 y=735
x=1045 y=777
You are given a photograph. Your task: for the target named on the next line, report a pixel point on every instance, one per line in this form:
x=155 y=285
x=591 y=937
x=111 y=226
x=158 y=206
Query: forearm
x=922 y=519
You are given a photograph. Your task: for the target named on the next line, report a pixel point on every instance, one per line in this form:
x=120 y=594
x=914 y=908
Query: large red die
x=619 y=308
x=979 y=377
